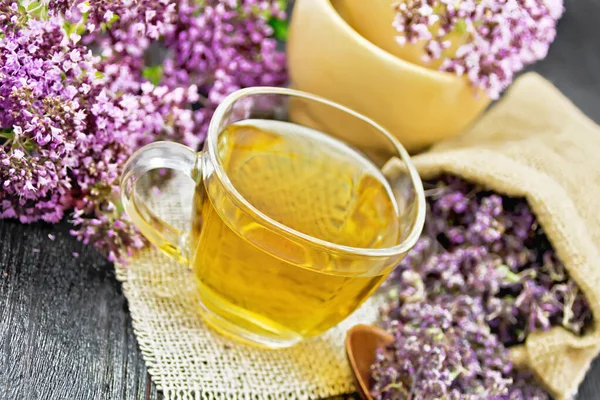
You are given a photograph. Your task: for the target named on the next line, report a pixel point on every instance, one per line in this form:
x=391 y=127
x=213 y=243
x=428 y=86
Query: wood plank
x=65 y=332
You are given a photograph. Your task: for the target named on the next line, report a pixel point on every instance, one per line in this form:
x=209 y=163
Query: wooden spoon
x=361 y=343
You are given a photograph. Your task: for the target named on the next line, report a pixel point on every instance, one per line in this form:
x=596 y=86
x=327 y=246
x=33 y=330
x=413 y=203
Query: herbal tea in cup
x=293 y=225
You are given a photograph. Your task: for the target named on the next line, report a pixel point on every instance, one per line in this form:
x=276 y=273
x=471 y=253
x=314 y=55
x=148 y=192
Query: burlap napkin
x=534 y=143
x=187 y=360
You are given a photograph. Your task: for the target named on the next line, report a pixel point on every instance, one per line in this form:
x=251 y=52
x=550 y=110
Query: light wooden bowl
x=419 y=106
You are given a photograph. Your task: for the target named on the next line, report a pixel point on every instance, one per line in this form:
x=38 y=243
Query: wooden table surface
x=65 y=332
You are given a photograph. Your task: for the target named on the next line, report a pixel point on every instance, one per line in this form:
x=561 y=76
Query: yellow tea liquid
x=310 y=183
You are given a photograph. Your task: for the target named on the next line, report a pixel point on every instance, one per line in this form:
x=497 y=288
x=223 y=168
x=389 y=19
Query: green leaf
x=113 y=19
x=120 y=207
x=280 y=29
x=153 y=74
x=68 y=27
x=33 y=5
x=460 y=27
x=29 y=145
x=282 y=4
x=37 y=9
x=507 y=274
x=7 y=133
x=78 y=28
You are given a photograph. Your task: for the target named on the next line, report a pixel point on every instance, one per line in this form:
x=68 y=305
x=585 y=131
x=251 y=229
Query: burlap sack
x=535 y=143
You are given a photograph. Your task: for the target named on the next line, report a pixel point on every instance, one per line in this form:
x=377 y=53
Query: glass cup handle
x=159 y=155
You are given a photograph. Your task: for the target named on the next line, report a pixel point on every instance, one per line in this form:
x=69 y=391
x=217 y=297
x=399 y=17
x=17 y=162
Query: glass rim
x=211 y=140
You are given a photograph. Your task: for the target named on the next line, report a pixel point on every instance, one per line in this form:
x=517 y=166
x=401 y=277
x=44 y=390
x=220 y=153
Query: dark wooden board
x=573 y=63
x=65 y=332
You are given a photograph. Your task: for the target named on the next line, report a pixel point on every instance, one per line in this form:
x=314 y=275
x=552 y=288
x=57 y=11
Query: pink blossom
x=502 y=36
x=69 y=120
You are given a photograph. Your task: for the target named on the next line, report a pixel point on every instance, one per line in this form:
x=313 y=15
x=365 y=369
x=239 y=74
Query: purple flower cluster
x=43 y=77
x=70 y=117
x=480 y=279
x=216 y=46
x=497 y=37
x=125 y=21
x=227 y=47
x=441 y=352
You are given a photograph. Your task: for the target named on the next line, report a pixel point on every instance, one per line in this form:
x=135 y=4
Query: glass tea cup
x=294 y=222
